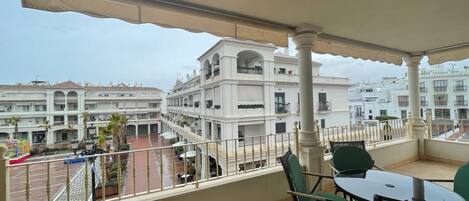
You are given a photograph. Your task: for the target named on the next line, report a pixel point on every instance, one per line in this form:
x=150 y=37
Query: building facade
x=52 y=114
x=443 y=90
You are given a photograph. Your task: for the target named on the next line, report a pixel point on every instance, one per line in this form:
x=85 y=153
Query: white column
x=4 y=175
x=213 y=130
x=149 y=129
x=418 y=126
x=136 y=130
x=311 y=152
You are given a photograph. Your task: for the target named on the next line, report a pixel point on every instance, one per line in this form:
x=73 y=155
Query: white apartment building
x=63 y=105
x=244 y=89
x=443 y=90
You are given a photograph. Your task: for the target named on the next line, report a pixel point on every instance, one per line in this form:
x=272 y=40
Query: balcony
x=282 y=108
x=260 y=172
x=248 y=70
x=324 y=106
x=440 y=88
x=216 y=72
x=460 y=103
x=423 y=89
x=460 y=88
x=403 y=103
x=423 y=103
x=441 y=102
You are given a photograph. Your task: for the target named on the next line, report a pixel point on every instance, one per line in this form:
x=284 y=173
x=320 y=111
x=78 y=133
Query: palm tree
x=14 y=121
x=103 y=132
x=117 y=125
x=45 y=124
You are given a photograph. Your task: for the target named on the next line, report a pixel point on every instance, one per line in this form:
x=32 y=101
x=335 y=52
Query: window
x=383 y=113
x=460 y=100
x=323 y=123
x=440 y=85
x=459 y=85
x=368 y=90
x=282 y=70
x=370 y=111
x=423 y=87
x=403 y=114
x=440 y=99
x=280 y=127
x=403 y=101
x=423 y=101
x=280 y=106
x=442 y=114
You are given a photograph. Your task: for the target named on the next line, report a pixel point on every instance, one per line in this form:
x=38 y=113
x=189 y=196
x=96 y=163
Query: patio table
x=363 y=185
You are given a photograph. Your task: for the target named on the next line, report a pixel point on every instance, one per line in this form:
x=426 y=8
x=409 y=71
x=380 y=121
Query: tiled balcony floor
x=429 y=170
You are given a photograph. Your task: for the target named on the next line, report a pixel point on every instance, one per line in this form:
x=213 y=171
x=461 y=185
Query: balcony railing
x=460 y=88
x=440 y=88
x=441 y=102
x=423 y=89
x=460 y=103
x=403 y=103
x=58 y=123
x=282 y=108
x=248 y=70
x=423 y=103
x=324 y=106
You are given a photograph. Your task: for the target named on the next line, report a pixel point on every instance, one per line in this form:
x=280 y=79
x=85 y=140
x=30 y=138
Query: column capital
x=413 y=61
x=305 y=35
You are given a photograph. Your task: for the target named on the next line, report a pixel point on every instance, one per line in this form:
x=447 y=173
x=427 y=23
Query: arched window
x=59 y=101
x=208 y=69
x=216 y=64
x=72 y=101
x=249 y=62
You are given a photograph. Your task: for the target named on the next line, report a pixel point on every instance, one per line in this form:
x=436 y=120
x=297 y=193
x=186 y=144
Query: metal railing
x=324 y=106
x=460 y=103
x=460 y=88
x=172 y=166
x=156 y=169
x=250 y=70
x=371 y=133
x=454 y=130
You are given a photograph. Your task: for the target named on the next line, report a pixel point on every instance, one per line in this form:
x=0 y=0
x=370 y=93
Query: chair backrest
x=335 y=145
x=351 y=158
x=294 y=173
x=461 y=181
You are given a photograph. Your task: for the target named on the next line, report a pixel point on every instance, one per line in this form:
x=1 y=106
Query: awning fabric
x=181 y=143
x=189 y=154
x=357 y=29
x=163 y=15
x=170 y=136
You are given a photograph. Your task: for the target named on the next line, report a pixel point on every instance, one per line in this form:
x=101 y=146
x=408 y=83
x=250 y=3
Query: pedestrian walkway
x=141 y=169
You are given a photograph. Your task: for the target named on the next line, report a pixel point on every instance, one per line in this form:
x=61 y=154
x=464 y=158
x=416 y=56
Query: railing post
x=297 y=146
x=4 y=176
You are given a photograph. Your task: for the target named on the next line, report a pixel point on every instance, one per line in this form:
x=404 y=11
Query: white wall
x=450 y=151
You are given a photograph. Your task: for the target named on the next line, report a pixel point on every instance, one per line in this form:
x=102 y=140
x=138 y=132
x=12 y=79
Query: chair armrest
x=318 y=175
x=440 y=180
x=333 y=168
x=305 y=195
x=378 y=168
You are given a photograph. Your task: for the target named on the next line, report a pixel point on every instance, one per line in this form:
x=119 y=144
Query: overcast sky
x=71 y=46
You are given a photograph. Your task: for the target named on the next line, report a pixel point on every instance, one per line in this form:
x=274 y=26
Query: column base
x=312 y=159
x=418 y=131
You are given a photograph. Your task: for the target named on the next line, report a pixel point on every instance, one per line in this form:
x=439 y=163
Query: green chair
x=461 y=181
x=297 y=181
x=350 y=158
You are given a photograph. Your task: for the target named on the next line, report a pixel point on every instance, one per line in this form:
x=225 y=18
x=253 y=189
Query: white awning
x=359 y=29
x=189 y=154
x=170 y=136
x=177 y=144
x=165 y=133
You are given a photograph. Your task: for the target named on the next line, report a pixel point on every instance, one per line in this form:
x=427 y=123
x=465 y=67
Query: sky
x=40 y=45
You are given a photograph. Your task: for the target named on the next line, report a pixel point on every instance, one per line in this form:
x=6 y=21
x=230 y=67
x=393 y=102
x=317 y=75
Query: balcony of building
x=282 y=108
x=251 y=169
x=441 y=102
x=440 y=88
x=460 y=88
x=460 y=103
x=423 y=89
x=423 y=103
x=249 y=62
x=324 y=106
